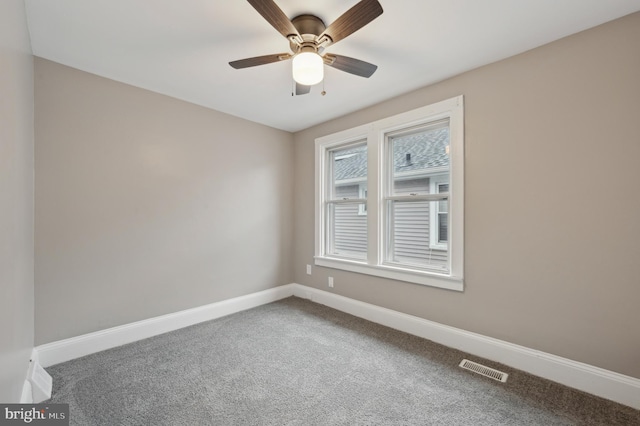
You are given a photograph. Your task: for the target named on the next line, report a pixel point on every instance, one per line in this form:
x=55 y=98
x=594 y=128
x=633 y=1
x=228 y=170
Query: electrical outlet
x=308 y=269
x=331 y=282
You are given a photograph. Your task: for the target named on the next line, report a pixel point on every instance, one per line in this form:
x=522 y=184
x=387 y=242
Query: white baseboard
x=594 y=380
x=76 y=347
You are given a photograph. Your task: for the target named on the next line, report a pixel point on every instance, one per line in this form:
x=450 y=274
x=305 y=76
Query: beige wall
x=552 y=212
x=147 y=205
x=16 y=199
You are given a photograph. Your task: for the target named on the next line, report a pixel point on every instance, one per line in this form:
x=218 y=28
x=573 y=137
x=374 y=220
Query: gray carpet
x=295 y=362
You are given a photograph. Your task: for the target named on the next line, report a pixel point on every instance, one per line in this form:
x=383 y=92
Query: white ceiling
x=181 y=48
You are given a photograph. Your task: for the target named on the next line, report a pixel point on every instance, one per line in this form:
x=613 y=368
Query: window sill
x=424 y=278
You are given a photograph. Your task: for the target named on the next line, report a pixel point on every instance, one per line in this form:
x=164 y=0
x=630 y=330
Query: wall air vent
x=484 y=371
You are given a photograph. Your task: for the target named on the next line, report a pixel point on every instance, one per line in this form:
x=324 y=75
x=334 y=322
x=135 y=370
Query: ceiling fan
x=308 y=37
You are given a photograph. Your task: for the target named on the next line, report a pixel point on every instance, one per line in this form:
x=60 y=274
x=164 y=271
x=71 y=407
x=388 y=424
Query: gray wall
x=552 y=228
x=147 y=205
x=16 y=199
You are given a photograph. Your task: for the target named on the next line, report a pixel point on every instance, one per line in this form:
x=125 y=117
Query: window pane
x=347 y=231
x=440 y=215
x=443 y=206
x=443 y=227
x=411 y=242
x=349 y=172
x=418 y=155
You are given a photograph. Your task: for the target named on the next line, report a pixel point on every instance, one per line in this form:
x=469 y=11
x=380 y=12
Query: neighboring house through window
x=389 y=197
x=362 y=208
x=439 y=215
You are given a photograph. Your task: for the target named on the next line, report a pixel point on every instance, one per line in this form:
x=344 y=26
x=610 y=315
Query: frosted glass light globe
x=308 y=68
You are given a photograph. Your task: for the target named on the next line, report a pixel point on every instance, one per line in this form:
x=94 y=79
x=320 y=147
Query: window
x=389 y=197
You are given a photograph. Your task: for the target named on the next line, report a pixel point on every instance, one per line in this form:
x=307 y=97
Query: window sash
x=394 y=176
x=432 y=257
x=332 y=243
x=332 y=156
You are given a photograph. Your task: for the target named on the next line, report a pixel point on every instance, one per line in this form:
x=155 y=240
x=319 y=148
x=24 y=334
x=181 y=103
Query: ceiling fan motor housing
x=308 y=24
x=309 y=27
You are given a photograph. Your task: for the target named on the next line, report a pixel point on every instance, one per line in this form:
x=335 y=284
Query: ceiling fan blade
x=350 y=65
x=259 y=60
x=301 y=89
x=275 y=16
x=352 y=20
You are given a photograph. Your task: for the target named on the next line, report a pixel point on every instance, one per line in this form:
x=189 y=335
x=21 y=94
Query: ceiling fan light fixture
x=308 y=36
x=308 y=68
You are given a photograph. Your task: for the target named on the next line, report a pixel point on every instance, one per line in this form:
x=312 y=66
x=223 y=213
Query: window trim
x=375 y=134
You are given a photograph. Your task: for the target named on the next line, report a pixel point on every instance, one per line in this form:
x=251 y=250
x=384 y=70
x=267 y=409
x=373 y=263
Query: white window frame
x=434 y=232
x=375 y=134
